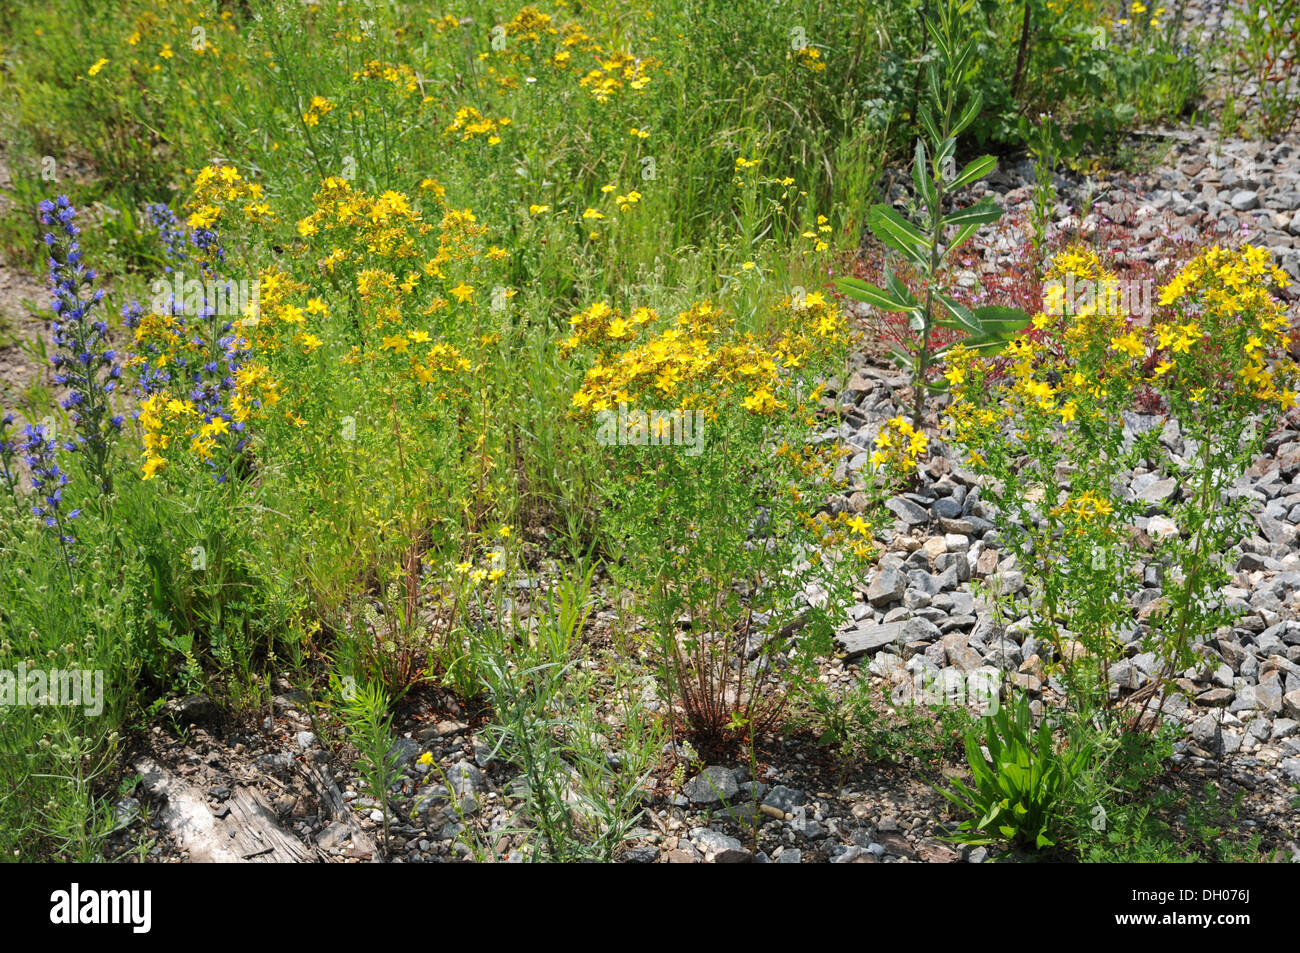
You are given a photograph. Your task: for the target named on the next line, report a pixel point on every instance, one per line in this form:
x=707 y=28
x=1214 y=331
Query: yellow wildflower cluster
x=599 y=324
x=1223 y=331
x=813 y=325
x=615 y=71
x=318 y=108
x=818 y=235
x=1085 y=507
x=470 y=123
x=278 y=310
x=401 y=76
x=899 y=447
x=169 y=417
x=811 y=58
x=1218 y=334
x=1138 y=16
x=216 y=188
x=491 y=565
x=530 y=25
x=842 y=530
x=190 y=26
x=696 y=361
x=526 y=37
x=387 y=225
x=381 y=244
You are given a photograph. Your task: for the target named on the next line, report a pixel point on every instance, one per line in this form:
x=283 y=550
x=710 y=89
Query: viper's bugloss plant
x=174 y=238
x=84 y=362
x=47 y=481
x=1051 y=425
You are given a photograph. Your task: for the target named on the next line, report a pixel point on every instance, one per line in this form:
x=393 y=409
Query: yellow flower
x=1130 y=344
x=215 y=426
x=98 y=65
x=463 y=292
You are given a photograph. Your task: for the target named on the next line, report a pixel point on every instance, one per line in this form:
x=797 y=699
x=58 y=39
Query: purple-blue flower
x=83 y=361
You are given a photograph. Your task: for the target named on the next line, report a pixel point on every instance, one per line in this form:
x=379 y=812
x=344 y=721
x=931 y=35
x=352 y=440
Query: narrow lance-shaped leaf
x=921 y=180
x=975 y=169
x=898 y=233
x=899 y=290
x=969 y=113
x=959 y=312
x=983 y=212
x=861 y=290
x=1001 y=319
x=961 y=238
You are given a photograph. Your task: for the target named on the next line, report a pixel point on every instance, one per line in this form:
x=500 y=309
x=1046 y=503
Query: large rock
x=907 y=511
x=465 y=778
x=713 y=785
x=869 y=637
x=888 y=585
x=719 y=848
x=1207 y=734
x=1291 y=704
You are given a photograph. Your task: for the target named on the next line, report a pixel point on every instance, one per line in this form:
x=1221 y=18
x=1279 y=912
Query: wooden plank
x=338 y=810
x=248 y=833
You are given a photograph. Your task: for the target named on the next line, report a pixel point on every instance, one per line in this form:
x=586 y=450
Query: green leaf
x=877 y=297
x=899 y=290
x=969 y=113
x=902 y=359
x=899 y=234
x=983 y=212
x=961 y=238
x=962 y=314
x=1001 y=319
x=921 y=179
x=931 y=129
x=943 y=155
x=975 y=169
